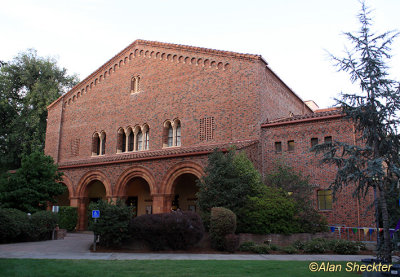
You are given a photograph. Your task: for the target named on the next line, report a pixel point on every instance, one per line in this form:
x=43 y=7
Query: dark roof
x=156 y=154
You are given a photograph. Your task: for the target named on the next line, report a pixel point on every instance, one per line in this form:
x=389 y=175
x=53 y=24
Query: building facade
x=140 y=128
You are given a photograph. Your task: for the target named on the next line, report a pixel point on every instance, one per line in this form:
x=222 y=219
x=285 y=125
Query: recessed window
x=178 y=134
x=314 y=141
x=170 y=136
x=324 y=199
x=139 y=141
x=146 y=140
x=290 y=145
x=135 y=84
x=131 y=140
x=278 y=146
x=328 y=139
x=99 y=144
x=172 y=133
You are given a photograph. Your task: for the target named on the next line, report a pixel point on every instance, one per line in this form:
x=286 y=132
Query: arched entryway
x=137 y=195
x=92 y=187
x=184 y=196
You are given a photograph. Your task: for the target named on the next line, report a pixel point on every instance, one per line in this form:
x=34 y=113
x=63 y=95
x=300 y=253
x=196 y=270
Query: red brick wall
x=345 y=210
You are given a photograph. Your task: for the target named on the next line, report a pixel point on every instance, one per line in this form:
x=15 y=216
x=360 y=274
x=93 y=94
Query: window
x=123 y=142
x=131 y=140
x=178 y=135
x=278 y=146
x=139 y=141
x=146 y=140
x=328 y=140
x=170 y=136
x=121 y=137
x=103 y=143
x=96 y=144
x=324 y=199
x=135 y=86
x=290 y=145
x=314 y=141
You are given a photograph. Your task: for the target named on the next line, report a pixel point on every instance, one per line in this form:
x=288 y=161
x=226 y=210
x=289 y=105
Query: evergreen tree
x=373 y=163
x=32 y=186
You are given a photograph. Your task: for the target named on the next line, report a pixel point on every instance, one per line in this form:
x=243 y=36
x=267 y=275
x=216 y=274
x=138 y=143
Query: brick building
x=141 y=126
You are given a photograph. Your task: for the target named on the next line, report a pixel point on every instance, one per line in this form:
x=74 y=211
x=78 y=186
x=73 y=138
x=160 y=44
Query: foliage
x=272 y=212
x=17 y=226
x=177 y=230
x=113 y=224
x=68 y=217
x=28 y=84
x=231 y=243
x=345 y=247
x=247 y=246
x=373 y=163
x=13 y=222
x=222 y=223
x=32 y=186
x=42 y=225
x=298 y=244
x=316 y=246
x=290 y=250
x=307 y=219
x=230 y=179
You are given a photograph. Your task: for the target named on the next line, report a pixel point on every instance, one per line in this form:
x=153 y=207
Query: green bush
x=68 y=217
x=270 y=213
x=274 y=247
x=260 y=249
x=178 y=230
x=298 y=244
x=13 y=224
x=113 y=224
x=247 y=246
x=290 y=250
x=316 y=246
x=42 y=225
x=222 y=223
x=345 y=247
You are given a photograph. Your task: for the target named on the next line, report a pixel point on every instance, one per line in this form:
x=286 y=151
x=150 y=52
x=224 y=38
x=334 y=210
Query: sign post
x=95 y=216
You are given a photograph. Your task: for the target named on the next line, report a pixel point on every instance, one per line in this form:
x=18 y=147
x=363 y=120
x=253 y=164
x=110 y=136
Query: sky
x=293 y=36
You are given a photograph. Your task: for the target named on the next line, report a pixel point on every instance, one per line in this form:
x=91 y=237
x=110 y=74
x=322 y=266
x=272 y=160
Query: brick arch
x=176 y=171
x=90 y=176
x=132 y=172
x=67 y=181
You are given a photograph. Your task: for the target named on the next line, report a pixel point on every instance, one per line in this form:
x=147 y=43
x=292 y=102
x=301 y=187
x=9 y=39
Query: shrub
x=222 y=223
x=271 y=212
x=42 y=225
x=260 y=249
x=68 y=217
x=345 y=247
x=274 y=247
x=290 y=250
x=177 y=230
x=231 y=243
x=113 y=224
x=299 y=245
x=13 y=222
x=317 y=246
x=247 y=246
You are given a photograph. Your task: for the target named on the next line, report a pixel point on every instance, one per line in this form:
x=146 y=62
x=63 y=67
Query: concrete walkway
x=76 y=247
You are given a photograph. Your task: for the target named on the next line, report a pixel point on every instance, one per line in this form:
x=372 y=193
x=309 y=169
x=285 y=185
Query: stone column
x=82 y=213
x=162 y=203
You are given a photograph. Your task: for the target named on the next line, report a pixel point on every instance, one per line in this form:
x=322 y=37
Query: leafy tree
x=28 y=84
x=32 y=186
x=298 y=187
x=232 y=182
x=373 y=163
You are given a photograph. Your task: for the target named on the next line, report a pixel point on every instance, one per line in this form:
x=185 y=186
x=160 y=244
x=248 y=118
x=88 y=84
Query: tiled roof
x=317 y=115
x=155 y=154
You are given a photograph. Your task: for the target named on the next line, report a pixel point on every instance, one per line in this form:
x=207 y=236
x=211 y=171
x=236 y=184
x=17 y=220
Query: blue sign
x=95 y=214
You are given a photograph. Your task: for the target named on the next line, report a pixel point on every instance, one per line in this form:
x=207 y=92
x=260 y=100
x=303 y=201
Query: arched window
x=121 y=141
x=95 y=144
x=146 y=140
x=170 y=136
x=139 y=141
x=135 y=86
x=103 y=143
x=178 y=134
x=131 y=140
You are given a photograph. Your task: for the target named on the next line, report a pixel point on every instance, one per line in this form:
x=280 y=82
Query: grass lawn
x=154 y=268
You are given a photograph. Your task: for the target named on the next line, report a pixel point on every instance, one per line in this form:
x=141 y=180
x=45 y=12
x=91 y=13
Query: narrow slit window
x=278 y=147
x=290 y=145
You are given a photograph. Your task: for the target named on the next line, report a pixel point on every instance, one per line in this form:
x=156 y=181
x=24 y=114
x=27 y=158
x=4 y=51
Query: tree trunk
x=386 y=251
